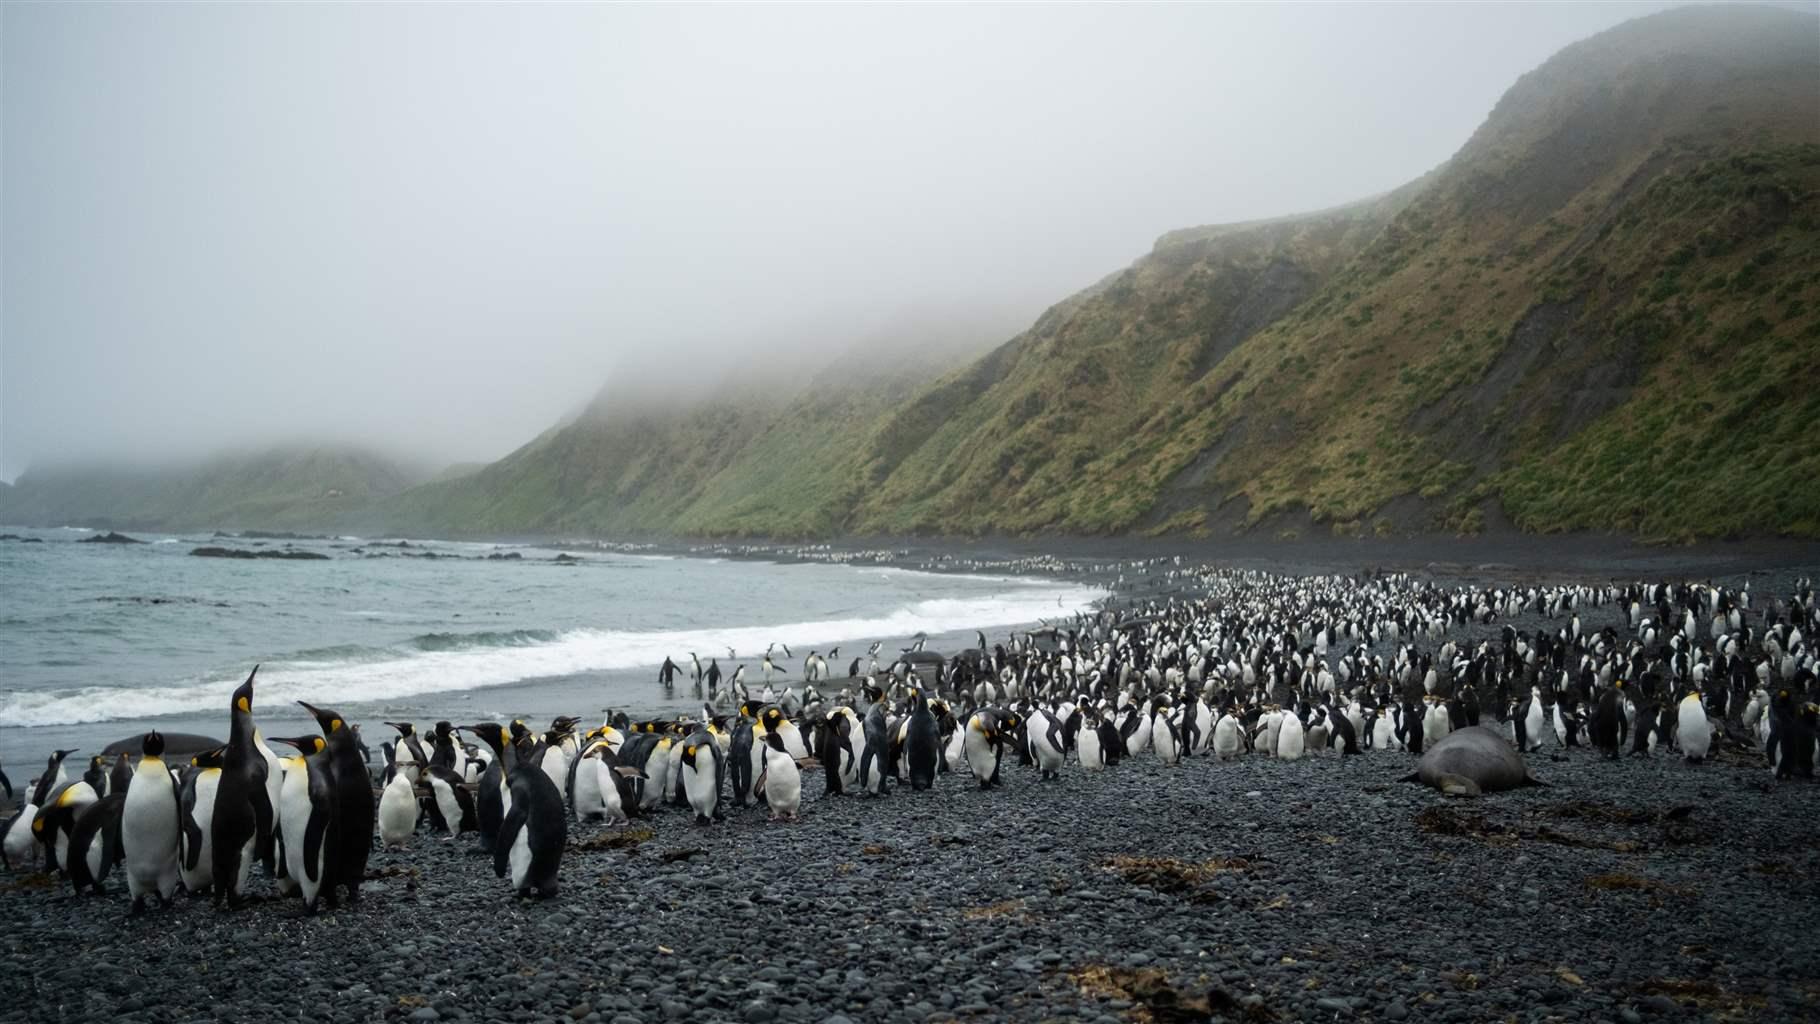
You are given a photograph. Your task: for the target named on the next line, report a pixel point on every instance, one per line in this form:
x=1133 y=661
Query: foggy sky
x=434 y=229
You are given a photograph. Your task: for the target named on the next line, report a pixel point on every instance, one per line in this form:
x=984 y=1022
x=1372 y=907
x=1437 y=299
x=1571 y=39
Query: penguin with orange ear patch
x=352 y=840
x=702 y=768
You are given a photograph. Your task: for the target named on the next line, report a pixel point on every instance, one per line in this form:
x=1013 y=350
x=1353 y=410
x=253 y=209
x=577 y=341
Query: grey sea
x=100 y=641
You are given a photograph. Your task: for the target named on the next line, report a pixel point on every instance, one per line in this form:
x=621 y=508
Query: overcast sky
x=434 y=229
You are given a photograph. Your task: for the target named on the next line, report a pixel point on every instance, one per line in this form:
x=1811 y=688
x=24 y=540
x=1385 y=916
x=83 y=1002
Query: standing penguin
x=1692 y=730
x=1043 y=734
x=1292 y=738
x=1164 y=737
x=922 y=742
x=533 y=834
x=1087 y=745
x=242 y=818
x=306 y=817
x=876 y=730
x=1228 y=737
x=347 y=855
x=1608 y=720
x=781 y=780
x=450 y=805
x=148 y=827
x=397 y=809
x=94 y=846
x=491 y=797
x=195 y=818
x=701 y=771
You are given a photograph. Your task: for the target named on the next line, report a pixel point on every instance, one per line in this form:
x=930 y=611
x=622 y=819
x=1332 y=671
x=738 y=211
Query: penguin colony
x=1256 y=665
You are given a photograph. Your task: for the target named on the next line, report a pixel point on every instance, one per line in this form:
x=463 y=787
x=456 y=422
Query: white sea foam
x=379 y=675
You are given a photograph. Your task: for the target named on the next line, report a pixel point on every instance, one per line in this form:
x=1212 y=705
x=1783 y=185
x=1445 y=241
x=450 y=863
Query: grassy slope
x=286 y=488
x=1600 y=314
x=1545 y=321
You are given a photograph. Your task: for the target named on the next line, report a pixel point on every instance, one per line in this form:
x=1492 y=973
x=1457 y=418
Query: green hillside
x=285 y=488
x=1601 y=314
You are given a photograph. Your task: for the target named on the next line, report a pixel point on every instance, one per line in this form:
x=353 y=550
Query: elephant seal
x=176 y=744
x=1471 y=762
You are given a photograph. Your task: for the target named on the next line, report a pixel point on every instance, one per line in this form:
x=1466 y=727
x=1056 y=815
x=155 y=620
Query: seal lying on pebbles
x=1471 y=762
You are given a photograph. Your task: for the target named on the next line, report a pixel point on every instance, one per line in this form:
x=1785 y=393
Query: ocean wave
x=443 y=662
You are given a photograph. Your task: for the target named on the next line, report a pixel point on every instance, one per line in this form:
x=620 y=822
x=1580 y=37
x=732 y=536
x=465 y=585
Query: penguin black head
x=329 y=722
x=153 y=744
x=490 y=733
x=688 y=753
x=243 y=694
x=57 y=756
x=306 y=745
x=209 y=758
x=404 y=728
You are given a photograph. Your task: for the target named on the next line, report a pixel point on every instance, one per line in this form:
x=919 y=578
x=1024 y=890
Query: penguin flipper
x=315 y=833
x=263 y=819
x=192 y=833
x=6 y=784
x=508 y=834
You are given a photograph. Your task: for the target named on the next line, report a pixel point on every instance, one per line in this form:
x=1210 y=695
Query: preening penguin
x=985 y=743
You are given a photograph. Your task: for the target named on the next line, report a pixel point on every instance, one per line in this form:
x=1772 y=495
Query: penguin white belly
x=293 y=825
x=1692 y=730
x=519 y=860
x=19 y=838
x=1291 y=738
x=783 y=785
x=202 y=875
x=1273 y=732
x=1162 y=737
x=447 y=803
x=1203 y=725
x=1384 y=734
x=1138 y=741
x=148 y=832
x=658 y=768
x=397 y=811
x=849 y=767
x=587 y=796
x=1435 y=725
x=979 y=755
x=793 y=740
x=1087 y=747
x=956 y=751
x=608 y=788
x=1533 y=725
x=1226 y=743
x=555 y=764
x=700 y=787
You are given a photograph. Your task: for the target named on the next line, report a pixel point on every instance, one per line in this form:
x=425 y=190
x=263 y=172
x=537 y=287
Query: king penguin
x=353 y=790
x=242 y=818
x=533 y=833
x=148 y=827
x=306 y=816
x=922 y=742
